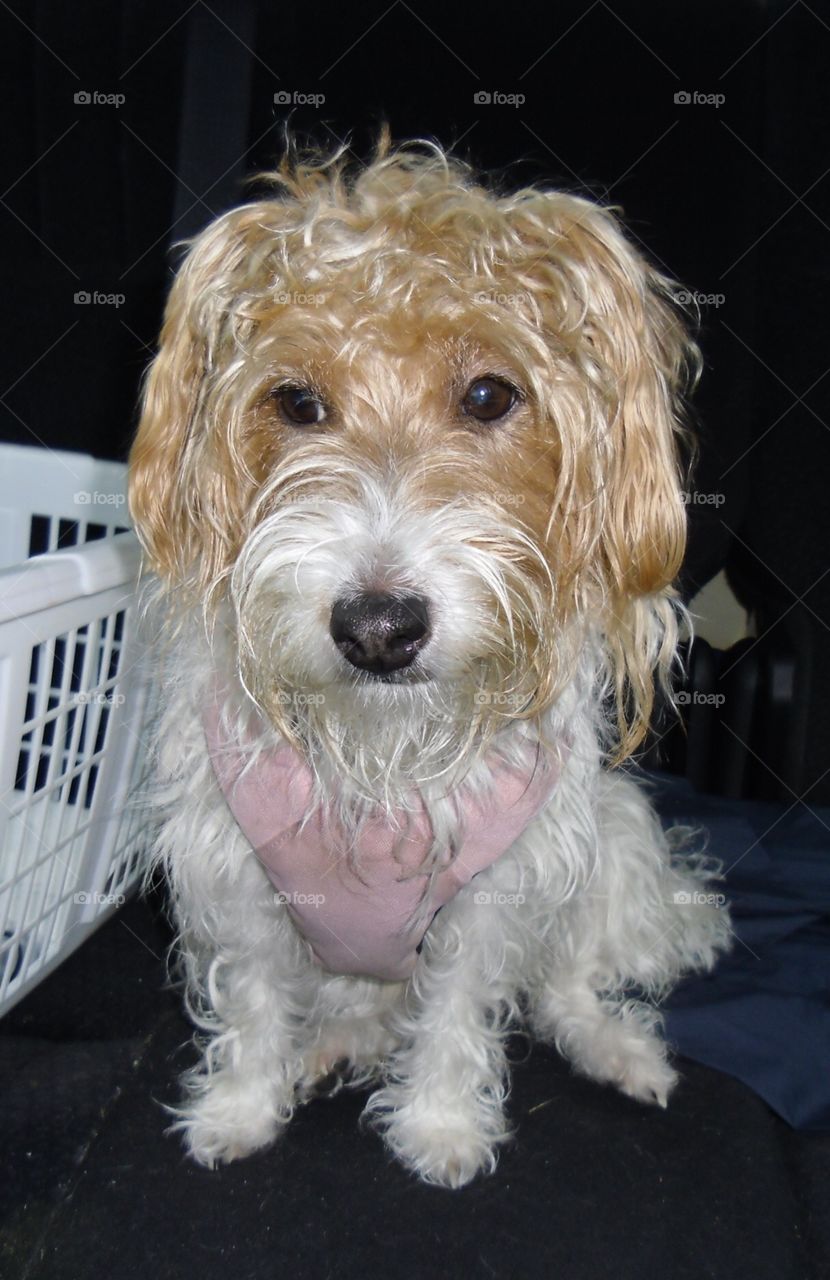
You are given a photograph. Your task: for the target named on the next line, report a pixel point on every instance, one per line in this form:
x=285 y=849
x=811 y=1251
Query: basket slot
x=39 y=532
x=132 y=836
x=69 y=534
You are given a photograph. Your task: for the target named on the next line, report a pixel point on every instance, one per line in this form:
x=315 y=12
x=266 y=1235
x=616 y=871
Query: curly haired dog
x=408 y=474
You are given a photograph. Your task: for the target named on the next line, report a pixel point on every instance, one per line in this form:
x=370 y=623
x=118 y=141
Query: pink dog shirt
x=361 y=922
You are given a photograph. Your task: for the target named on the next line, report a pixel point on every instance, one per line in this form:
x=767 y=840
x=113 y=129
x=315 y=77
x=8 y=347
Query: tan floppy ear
x=646 y=359
x=626 y=335
x=176 y=489
x=646 y=352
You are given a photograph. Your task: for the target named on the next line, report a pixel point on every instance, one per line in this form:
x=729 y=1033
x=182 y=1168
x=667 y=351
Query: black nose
x=380 y=633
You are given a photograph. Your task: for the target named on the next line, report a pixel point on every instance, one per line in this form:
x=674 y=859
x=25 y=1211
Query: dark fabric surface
x=764 y=1015
x=592 y=1186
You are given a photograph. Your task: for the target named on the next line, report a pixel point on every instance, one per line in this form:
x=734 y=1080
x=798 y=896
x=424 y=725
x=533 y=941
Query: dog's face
x=417 y=443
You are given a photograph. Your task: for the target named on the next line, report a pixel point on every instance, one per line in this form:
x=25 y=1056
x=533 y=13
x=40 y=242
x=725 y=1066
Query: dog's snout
x=380 y=633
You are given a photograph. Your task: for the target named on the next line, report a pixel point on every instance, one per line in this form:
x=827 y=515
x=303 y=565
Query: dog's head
x=418 y=443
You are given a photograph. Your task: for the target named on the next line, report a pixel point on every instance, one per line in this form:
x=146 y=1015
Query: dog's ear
x=623 y=515
x=179 y=493
x=646 y=358
x=646 y=347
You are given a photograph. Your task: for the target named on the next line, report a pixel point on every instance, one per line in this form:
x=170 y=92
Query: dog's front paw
x=230 y=1118
x=447 y=1145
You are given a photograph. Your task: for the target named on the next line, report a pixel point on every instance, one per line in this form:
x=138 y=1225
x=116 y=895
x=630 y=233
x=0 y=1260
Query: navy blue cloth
x=763 y=1016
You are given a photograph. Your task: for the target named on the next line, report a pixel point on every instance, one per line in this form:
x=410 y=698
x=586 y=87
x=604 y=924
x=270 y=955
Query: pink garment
x=361 y=923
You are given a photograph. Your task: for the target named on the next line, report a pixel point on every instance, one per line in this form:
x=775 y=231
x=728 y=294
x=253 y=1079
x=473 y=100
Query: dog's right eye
x=300 y=406
x=488 y=399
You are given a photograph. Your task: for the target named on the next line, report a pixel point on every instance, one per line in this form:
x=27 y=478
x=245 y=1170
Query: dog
x=408 y=476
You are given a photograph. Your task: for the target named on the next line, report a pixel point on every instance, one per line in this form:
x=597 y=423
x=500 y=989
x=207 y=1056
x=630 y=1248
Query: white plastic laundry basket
x=73 y=708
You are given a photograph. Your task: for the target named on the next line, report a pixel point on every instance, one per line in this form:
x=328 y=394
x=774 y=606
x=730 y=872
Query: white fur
x=576 y=929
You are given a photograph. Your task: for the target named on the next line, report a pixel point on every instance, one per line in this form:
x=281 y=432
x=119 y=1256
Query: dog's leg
x=613 y=1041
x=442 y=1110
x=648 y=916
x=250 y=991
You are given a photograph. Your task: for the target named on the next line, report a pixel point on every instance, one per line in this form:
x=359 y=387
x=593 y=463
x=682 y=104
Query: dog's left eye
x=300 y=406
x=487 y=399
